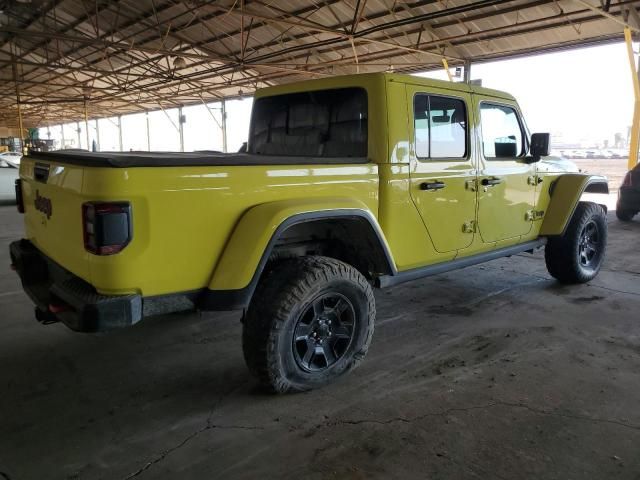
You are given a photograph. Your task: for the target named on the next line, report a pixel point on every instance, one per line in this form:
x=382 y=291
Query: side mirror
x=540 y=146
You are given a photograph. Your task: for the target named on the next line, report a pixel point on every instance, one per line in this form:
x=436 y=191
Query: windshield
x=326 y=123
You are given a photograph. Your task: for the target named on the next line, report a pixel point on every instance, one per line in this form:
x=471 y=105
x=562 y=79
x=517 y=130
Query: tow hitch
x=45 y=317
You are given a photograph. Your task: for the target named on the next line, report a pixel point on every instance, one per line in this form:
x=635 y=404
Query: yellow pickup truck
x=346 y=184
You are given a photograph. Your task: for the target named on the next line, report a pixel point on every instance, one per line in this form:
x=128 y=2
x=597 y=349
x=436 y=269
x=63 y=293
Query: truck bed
x=182 y=215
x=178 y=159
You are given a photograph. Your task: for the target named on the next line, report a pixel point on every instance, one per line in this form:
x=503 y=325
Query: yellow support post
x=446 y=68
x=635 y=126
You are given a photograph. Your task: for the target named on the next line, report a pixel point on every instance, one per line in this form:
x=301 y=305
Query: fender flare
x=249 y=247
x=565 y=193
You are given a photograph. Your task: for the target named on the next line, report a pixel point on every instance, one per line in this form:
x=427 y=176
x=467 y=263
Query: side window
x=421 y=125
x=440 y=127
x=501 y=132
x=448 y=126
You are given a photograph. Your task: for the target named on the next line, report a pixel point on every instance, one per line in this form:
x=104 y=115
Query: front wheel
x=310 y=320
x=576 y=256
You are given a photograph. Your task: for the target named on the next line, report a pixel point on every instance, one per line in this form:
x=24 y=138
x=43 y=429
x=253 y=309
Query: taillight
x=106 y=226
x=628 y=181
x=19 y=199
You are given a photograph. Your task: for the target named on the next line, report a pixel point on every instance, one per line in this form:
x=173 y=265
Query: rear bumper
x=60 y=295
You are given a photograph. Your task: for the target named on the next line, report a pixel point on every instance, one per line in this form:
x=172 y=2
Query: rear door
x=442 y=165
x=506 y=183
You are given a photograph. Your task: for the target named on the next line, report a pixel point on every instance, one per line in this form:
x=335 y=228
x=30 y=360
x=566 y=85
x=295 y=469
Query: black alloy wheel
x=324 y=332
x=589 y=248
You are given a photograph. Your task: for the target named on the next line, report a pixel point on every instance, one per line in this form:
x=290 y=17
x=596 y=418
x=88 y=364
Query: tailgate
x=52 y=194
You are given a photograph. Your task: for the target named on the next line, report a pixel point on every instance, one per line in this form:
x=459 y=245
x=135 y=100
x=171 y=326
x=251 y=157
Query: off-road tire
x=624 y=215
x=562 y=253
x=282 y=297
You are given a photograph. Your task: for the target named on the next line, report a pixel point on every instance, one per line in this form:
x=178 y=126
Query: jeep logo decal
x=43 y=204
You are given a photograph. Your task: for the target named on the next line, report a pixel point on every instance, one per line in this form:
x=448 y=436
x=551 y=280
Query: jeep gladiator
x=346 y=184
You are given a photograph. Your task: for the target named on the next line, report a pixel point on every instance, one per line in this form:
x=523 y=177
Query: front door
x=506 y=182
x=442 y=166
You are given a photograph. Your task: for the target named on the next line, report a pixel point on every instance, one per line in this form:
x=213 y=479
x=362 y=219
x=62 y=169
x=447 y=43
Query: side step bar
x=416 y=273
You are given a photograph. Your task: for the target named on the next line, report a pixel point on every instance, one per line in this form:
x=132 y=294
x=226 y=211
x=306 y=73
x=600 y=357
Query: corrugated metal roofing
x=133 y=55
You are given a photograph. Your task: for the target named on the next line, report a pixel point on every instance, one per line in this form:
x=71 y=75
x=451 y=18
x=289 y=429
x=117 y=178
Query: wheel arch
x=349 y=235
x=566 y=192
x=285 y=229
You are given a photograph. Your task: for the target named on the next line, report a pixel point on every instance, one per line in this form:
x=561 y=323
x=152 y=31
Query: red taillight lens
x=106 y=227
x=628 y=180
x=19 y=199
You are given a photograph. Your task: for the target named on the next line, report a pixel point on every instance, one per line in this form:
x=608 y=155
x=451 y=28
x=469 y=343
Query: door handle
x=490 y=182
x=432 y=185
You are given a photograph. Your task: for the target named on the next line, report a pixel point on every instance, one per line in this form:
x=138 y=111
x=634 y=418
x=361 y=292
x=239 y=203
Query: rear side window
x=501 y=131
x=325 y=123
x=440 y=125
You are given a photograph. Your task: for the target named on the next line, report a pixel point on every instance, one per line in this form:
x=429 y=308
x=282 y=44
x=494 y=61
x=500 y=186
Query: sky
x=585 y=95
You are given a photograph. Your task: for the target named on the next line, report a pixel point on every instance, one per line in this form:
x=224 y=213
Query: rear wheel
x=624 y=214
x=576 y=256
x=310 y=320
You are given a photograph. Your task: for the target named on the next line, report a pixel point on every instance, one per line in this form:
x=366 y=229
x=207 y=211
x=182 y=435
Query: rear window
x=325 y=123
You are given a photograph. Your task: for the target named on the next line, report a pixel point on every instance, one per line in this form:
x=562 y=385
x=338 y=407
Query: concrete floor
x=494 y=371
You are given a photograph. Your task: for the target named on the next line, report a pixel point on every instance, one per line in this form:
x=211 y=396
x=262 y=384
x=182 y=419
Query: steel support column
x=181 y=128
x=224 y=126
x=20 y=128
x=86 y=124
x=97 y=135
x=120 y=131
x=146 y=117
x=18 y=102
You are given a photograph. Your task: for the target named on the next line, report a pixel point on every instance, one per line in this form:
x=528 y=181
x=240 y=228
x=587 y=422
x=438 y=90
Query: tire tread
x=625 y=215
x=560 y=256
x=276 y=296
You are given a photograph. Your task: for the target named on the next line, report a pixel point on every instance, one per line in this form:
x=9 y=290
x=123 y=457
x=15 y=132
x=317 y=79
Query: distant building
x=559 y=142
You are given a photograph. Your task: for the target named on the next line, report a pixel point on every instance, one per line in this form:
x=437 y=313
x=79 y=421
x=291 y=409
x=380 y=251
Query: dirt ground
x=491 y=372
x=614 y=169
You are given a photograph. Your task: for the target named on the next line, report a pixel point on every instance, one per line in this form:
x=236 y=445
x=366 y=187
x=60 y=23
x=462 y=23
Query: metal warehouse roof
x=127 y=56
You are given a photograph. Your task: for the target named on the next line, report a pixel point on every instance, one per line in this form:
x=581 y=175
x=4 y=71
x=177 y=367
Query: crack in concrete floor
x=483 y=407
x=389 y=421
